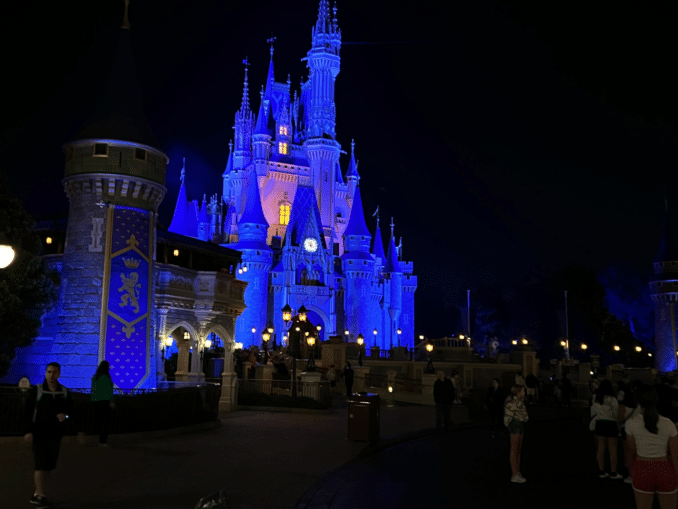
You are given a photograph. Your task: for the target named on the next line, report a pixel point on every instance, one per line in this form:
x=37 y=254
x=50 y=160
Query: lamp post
x=346 y=333
x=361 y=341
x=206 y=346
x=399 y=332
x=254 y=330
x=375 y=337
x=429 y=365
x=294 y=344
x=265 y=336
x=311 y=361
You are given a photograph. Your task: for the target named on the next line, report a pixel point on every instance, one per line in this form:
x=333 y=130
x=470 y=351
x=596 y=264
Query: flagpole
x=468 y=312
x=567 y=331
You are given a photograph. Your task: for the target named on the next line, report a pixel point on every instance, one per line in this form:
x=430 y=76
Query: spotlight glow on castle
x=288 y=227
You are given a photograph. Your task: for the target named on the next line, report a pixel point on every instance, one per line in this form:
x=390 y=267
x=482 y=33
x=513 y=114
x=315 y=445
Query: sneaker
x=628 y=480
x=518 y=479
x=615 y=476
x=40 y=501
x=603 y=475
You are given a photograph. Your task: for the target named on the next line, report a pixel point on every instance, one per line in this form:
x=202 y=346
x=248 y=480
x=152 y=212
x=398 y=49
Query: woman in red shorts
x=651 y=438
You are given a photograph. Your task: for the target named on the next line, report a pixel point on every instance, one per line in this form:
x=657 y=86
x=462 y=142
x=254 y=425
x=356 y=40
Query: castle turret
x=394 y=274
x=664 y=291
x=257 y=259
x=115 y=181
x=352 y=176
x=261 y=139
x=378 y=247
x=203 y=221
x=358 y=268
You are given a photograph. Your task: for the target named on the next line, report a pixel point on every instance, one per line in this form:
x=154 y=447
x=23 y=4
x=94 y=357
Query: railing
x=282 y=389
x=135 y=410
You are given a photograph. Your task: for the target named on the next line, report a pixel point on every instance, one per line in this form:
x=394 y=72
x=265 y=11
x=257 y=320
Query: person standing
x=628 y=407
x=494 y=404
x=49 y=405
x=515 y=417
x=102 y=397
x=443 y=395
x=651 y=437
x=348 y=379
x=605 y=415
x=456 y=384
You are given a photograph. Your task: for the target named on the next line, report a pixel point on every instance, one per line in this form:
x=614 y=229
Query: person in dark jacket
x=443 y=395
x=494 y=404
x=102 y=398
x=348 y=378
x=49 y=405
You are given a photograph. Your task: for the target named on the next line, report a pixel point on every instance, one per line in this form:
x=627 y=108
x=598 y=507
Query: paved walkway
x=283 y=460
x=469 y=469
x=261 y=460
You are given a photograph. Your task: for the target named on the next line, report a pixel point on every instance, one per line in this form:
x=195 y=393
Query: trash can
x=363 y=418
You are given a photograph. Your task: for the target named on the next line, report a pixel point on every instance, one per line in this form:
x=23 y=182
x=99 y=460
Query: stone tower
x=664 y=291
x=114 y=179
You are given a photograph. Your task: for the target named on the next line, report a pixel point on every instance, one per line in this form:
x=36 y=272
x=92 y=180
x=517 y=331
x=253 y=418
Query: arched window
x=282 y=148
x=284 y=214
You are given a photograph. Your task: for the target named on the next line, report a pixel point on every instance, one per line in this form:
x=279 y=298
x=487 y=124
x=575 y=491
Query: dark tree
x=27 y=290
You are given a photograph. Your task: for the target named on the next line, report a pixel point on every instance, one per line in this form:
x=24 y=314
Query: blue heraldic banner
x=126 y=313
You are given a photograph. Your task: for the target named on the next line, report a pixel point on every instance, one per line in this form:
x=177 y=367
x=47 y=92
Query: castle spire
x=180 y=216
x=392 y=264
x=254 y=212
x=352 y=166
x=270 y=79
x=356 y=223
x=245 y=104
x=323 y=26
x=378 y=244
x=229 y=163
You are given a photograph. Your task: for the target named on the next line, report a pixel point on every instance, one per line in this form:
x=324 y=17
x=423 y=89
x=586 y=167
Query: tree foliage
x=27 y=289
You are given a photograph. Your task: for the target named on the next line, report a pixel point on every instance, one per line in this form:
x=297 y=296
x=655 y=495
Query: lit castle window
x=284 y=214
x=283 y=130
x=282 y=148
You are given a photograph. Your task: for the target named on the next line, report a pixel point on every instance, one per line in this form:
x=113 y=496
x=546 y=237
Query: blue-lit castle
x=297 y=217
x=288 y=230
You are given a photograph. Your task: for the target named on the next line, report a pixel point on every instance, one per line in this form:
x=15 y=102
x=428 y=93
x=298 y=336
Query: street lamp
x=166 y=343
x=399 y=332
x=616 y=348
x=302 y=313
x=639 y=349
x=346 y=333
x=254 y=329
x=361 y=340
x=375 y=337
x=311 y=361
x=514 y=342
x=270 y=329
x=265 y=336
x=7 y=254
x=293 y=345
x=584 y=346
x=319 y=329
x=429 y=365
x=524 y=341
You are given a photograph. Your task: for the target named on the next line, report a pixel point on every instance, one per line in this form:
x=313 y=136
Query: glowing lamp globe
x=254 y=329
x=6 y=256
x=638 y=349
x=514 y=342
x=169 y=341
x=310 y=340
x=584 y=346
x=287 y=313
x=616 y=348
x=208 y=344
x=429 y=348
x=302 y=313
x=524 y=341
x=562 y=343
x=266 y=336
x=361 y=339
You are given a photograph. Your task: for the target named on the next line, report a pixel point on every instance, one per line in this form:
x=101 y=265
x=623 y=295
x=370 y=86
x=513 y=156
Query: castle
x=297 y=218
x=289 y=230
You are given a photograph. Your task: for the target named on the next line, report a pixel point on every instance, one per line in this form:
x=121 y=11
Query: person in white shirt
x=628 y=407
x=604 y=413
x=650 y=438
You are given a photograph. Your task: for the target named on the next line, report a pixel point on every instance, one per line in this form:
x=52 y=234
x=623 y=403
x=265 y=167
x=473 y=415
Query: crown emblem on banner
x=131 y=263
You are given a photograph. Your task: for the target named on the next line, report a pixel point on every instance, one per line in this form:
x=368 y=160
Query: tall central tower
x=321 y=147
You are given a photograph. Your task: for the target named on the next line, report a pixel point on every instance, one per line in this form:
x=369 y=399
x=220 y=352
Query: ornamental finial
x=392 y=225
x=183 y=172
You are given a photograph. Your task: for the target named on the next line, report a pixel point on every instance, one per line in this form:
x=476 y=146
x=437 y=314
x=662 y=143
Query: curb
x=121 y=438
x=288 y=410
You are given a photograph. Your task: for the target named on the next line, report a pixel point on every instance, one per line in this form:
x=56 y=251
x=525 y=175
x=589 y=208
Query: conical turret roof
x=254 y=212
x=378 y=245
x=119 y=114
x=178 y=224
x=356 y=223
x=392 y=264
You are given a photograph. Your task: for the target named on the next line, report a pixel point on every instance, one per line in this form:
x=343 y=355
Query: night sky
x=498 y=136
